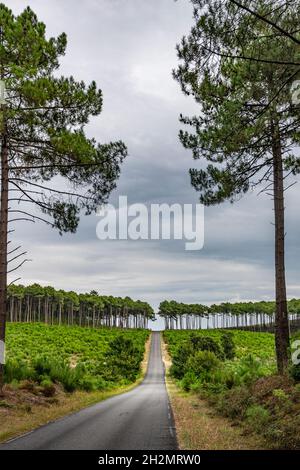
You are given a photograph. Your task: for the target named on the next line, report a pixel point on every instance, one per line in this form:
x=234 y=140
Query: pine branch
x=252 y=59
x=12 y=251
x=15 y=280
x=33 y=216
x=11 y=180
x=16 y=257
x=17 y=267
x=44 y=167
x=266 y=20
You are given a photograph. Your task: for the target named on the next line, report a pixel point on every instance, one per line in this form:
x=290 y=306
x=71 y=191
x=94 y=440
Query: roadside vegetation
x=235 y=371
x=43 y=140
x=51 y=371
x=73 y=357
x=240 y=63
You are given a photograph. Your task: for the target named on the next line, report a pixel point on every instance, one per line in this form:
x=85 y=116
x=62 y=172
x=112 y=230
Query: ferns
x=74 y=357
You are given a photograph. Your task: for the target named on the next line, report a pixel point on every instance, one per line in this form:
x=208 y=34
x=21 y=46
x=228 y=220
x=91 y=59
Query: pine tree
x=240 y=71
x=47 y=161
x=270 y=7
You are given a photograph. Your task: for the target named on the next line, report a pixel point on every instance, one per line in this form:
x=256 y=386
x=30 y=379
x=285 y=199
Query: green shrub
x=90 y=384
x=202 y=362
x=249 y=369
x=222 y=379
x=42 y=366
x=180 y=359
x=206 y=343
x=17 y=370
x=123 y=360
x=297 y=389
x=188 y=381
x=228 y=345
x=59 y=372
x=280 y=394
x=230 y=379
x=68 y=377
x=14 y=384
x=189 y=349
x=257 y=417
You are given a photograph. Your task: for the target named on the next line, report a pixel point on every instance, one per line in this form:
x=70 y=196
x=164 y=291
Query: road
x=140 y=419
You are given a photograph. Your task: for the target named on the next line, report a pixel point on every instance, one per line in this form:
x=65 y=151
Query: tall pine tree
x=46 y=159
x=240 y=71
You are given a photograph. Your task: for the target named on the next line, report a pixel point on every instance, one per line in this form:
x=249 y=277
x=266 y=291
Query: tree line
x=178 y=315
x=58 y=307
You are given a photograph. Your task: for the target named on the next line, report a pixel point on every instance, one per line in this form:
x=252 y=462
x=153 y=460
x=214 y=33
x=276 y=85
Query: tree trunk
x=282 y=334
x=3 y=247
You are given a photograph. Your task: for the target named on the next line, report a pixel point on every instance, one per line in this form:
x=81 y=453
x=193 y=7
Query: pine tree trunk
x=3 y=247
x=282 y=333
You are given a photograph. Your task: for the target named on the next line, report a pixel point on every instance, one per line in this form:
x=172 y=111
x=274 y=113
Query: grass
x=198 y=427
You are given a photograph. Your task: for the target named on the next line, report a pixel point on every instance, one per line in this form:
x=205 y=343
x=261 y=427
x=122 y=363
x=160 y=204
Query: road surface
x=140 y=419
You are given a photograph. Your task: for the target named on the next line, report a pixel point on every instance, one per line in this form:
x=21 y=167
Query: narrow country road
x=140 y=419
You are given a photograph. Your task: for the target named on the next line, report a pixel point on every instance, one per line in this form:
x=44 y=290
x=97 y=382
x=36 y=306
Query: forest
x=250 y=315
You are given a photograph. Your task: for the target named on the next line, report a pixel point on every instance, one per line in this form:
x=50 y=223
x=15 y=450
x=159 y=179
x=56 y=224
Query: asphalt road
x=140 y=419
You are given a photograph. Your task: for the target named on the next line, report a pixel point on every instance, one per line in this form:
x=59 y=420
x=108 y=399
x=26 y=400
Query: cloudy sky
x=128 y=47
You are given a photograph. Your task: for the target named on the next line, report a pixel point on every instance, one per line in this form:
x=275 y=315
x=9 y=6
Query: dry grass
x=145 y=361
x=22 y=410
x=199 y=427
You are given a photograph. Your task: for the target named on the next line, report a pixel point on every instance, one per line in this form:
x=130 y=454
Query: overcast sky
x=128 y=47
